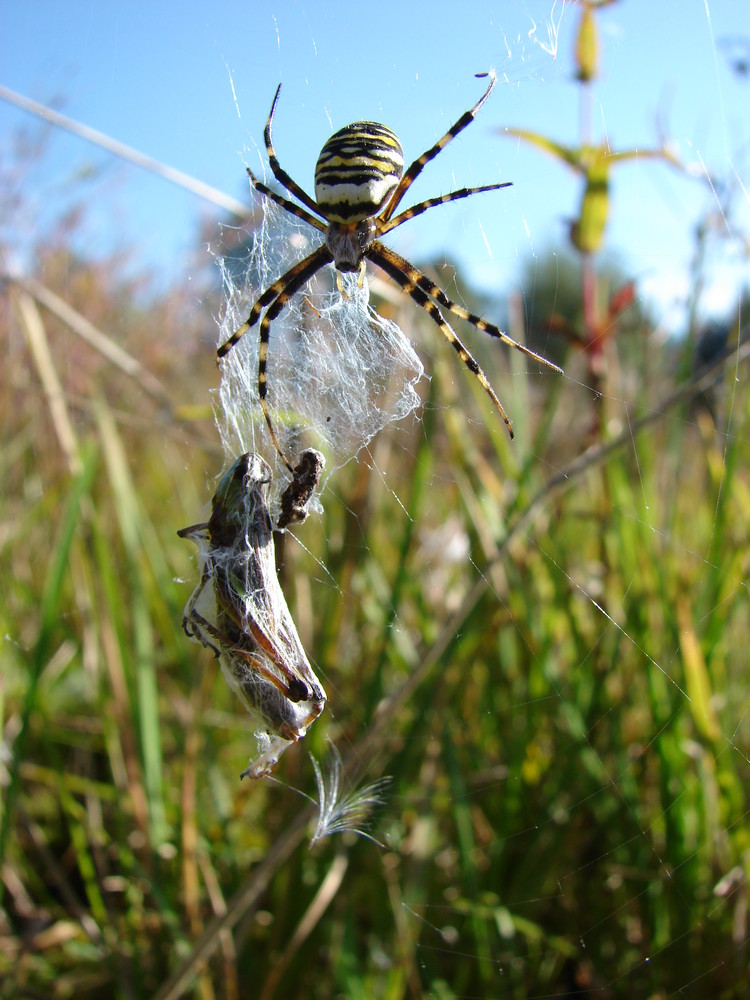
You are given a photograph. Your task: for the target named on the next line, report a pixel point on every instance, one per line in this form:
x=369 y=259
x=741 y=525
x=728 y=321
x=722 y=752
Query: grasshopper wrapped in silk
x=251 y=630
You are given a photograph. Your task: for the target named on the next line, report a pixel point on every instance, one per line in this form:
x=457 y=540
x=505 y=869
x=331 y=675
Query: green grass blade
x=49 y=615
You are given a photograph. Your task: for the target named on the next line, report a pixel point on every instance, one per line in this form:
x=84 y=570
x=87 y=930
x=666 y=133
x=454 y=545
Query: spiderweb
x=337 y=372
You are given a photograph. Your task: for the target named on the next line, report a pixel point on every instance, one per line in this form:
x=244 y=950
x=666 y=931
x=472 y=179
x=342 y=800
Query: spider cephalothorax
x=359 y=184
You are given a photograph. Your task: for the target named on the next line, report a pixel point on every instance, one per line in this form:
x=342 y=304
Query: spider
x=359 y=184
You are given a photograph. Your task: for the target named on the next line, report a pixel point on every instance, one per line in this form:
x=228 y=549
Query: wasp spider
x=359 y=184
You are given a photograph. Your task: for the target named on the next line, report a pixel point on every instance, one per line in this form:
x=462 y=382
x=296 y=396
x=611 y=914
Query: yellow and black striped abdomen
x=357 y=171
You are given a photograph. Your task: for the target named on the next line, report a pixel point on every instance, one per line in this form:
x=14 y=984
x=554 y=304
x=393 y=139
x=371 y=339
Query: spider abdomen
x=357 y=171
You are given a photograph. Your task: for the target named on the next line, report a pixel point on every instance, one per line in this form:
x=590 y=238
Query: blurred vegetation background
x=542 y=643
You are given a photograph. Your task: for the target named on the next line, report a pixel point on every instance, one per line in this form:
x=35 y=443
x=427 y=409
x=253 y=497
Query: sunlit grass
x=552 y=672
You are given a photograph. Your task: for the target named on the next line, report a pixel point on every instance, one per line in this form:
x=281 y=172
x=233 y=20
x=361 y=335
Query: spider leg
x=300 y=212
x=265 y=299
x=405 y=277
x=305 y=268
x=279 y=173
x=419 y=164
x=442 y=199
x=421 y=281
x=278 y=294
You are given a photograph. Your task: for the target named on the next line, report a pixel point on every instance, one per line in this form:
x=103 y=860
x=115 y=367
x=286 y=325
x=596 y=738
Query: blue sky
x=190 y=84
